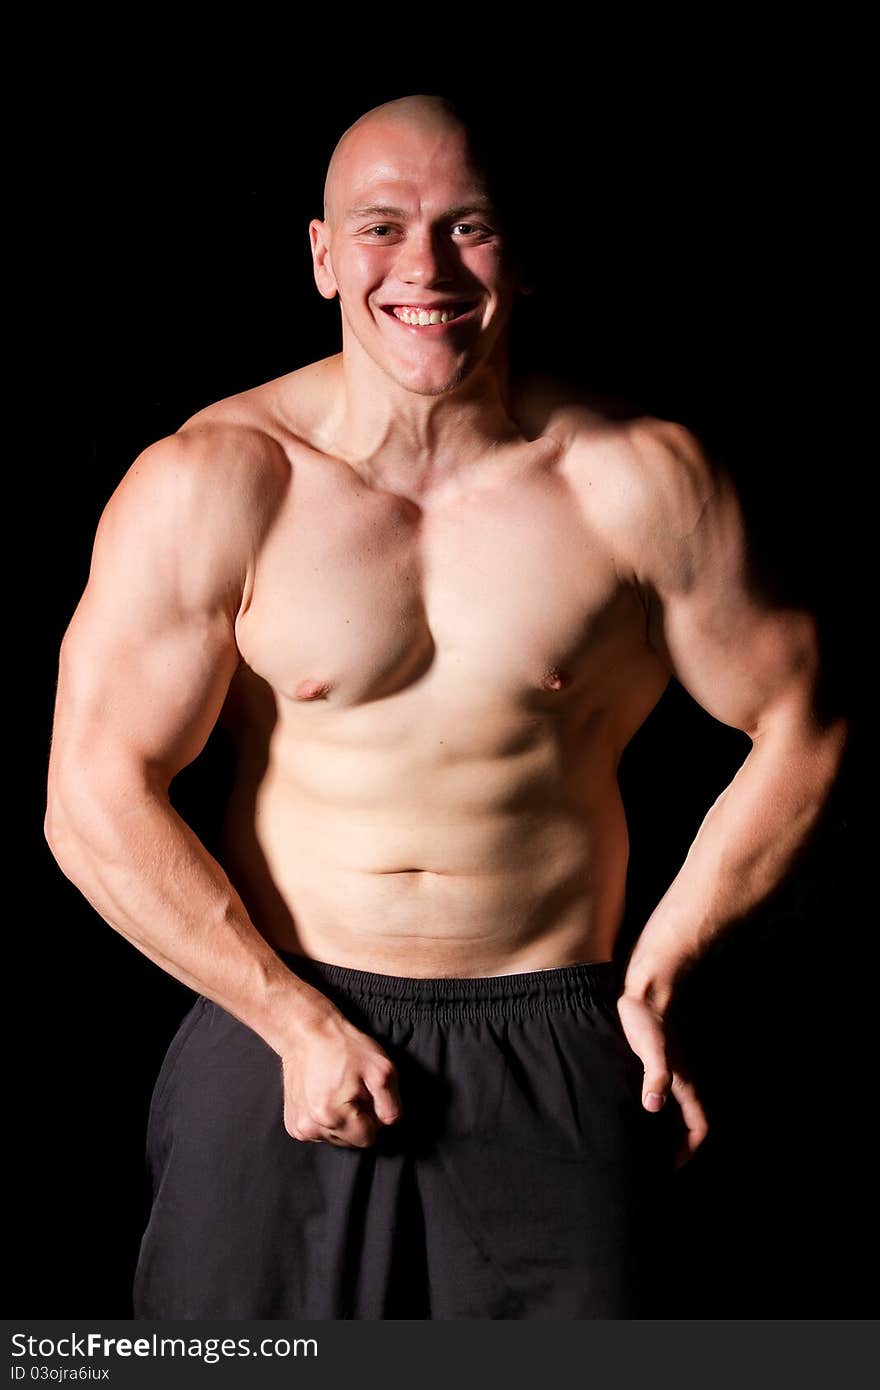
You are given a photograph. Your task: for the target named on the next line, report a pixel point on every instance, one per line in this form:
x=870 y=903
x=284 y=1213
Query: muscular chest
x=359 y=594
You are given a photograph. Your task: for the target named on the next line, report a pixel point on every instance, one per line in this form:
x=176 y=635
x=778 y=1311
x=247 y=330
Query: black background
x=695 y=237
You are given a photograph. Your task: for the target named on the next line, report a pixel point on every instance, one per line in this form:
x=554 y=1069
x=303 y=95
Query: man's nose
x=422 y=260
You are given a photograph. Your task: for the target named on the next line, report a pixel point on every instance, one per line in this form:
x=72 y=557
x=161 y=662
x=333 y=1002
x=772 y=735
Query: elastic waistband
x=463 y=996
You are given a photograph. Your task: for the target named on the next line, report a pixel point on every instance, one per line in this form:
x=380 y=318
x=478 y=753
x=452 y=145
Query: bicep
x=146 y=661
x=746 y=659
x=742 y=660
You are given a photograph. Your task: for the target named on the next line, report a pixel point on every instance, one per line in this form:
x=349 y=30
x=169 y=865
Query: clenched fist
x=339 y=1086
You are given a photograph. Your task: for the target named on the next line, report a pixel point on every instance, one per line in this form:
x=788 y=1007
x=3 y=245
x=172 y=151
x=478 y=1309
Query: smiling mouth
x=412 y=316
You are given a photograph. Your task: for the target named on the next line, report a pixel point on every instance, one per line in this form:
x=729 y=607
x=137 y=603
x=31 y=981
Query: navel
x=554 y=679
x=311 y=689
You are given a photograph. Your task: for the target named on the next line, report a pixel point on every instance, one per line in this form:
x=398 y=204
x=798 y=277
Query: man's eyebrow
x=481 y=205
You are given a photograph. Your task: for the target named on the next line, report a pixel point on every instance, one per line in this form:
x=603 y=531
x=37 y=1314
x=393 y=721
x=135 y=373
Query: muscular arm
x=752 y=666
x=144 y=669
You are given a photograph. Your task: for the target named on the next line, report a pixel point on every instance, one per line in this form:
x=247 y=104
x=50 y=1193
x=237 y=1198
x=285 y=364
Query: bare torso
x=432 y=700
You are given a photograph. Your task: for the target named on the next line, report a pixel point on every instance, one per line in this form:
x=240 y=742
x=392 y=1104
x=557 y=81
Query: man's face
x=410 y=228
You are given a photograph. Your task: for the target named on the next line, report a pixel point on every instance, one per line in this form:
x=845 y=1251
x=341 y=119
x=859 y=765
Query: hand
x=339 y=1086
x=646 y=1035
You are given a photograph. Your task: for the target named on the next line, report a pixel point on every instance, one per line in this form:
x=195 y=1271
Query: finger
x=657 y=1081
x=306 y=1133
x=338 y=1142
x=350 y=1123
x=694 y=1117
x=648 y=1042
x=358 y=1130
x=384 y=1089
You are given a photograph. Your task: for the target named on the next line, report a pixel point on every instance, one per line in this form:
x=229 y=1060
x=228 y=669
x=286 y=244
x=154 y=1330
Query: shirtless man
x=433 y=607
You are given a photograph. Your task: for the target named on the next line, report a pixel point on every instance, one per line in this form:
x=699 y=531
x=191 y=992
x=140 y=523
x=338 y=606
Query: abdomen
x=436 y=852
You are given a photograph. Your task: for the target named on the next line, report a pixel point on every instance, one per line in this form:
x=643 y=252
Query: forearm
x=149 y=876
x=744 y=848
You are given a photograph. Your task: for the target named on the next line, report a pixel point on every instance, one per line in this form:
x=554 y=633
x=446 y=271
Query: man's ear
x=322 y=265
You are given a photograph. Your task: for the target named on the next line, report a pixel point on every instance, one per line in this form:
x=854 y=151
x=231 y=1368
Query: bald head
x=483 y=138
x=422 y=112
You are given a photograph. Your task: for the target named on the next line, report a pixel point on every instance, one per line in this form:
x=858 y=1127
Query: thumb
x=646 y=1037
x=657 y=1082
x=383 y=1087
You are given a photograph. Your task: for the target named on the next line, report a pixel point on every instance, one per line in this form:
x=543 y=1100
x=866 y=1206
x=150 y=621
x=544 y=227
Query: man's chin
x=431 y=382
x=429 y=375
x=434 y=388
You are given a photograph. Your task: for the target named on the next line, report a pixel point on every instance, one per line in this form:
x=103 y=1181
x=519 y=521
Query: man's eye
x=381 y=229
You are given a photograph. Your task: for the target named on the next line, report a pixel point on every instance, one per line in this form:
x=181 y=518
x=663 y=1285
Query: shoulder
x=651 y=480
x=672 y=466
x=237 y=459
x=646 y=461
x=670 y=489
x=208 y=469
x=188 y=515
x=672 y=508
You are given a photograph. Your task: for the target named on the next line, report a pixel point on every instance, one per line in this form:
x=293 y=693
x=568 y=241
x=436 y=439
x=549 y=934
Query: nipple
x=554 y=679
x=311 y=689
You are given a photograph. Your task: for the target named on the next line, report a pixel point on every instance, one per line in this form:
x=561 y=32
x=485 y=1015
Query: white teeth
x=422 y=316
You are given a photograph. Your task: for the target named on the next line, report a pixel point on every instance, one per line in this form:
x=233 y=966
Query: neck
x=408 y=441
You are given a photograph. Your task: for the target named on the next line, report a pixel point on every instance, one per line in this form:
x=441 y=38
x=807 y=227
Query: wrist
x=662 y=956
x=653 y=983
x=294 y=1010
x=655 y=993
